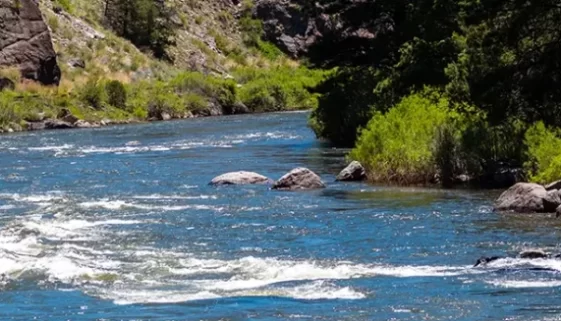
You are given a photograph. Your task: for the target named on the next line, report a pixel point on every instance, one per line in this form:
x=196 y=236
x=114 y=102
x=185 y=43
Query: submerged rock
x=240 y=178
x=527 y=254
x=522 y=198
x=354 y=172
x=299 y=179
x=533 y=254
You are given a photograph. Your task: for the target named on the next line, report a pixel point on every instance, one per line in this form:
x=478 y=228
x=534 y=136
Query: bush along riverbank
x=99 y=101
x=453 y=92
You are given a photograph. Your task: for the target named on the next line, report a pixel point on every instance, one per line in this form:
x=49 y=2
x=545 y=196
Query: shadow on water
x=388 y=197
x=518 y=223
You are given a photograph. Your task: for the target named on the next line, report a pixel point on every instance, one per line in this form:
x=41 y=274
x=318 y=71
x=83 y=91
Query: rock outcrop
x=286 y=26
x=25 y=42
x=296 y=26
x=522 y=198
x=299 y=179
x=240 y=178
x=354 y=172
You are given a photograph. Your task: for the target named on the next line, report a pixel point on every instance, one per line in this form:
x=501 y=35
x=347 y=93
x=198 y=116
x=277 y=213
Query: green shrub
x=64 y=4
x=398 y=146
x=447 y=153
x=486 y=148
x=116 y=94
x=7 y=107
x=93 y=94
x=280 y=88
x=544 y=153
x=195 y=102
x=163 y=99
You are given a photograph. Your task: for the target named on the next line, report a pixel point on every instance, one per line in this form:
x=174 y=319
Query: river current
x=119 y=223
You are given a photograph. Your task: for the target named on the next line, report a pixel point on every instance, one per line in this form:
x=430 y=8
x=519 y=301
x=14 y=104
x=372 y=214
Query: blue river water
x=119 y=223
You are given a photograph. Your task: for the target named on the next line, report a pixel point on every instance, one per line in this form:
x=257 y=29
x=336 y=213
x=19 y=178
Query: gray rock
x=36 y=126
x=57 y=124
x=77 y=63
x=84 y=124
x=299 y=179
x=165 y=116
x=296 y=30
x=533 y=254
x=25 y=42
x=551 y=201
x=553 y=185
x=240 y=178
x=354 y=172
x=558 y=211
x=522 y=198
x=240 y=108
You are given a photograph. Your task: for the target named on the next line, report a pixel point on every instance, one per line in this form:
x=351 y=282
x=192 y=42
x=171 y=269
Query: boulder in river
x=299 y=179
x=522 y=198
x=354 y=172
x=553 y=185
x=240 y=178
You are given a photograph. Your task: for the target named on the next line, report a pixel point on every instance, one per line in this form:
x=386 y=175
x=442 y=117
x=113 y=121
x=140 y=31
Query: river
x=119 y=223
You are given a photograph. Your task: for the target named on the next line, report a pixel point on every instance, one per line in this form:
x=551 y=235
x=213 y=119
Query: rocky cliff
x=25 y=41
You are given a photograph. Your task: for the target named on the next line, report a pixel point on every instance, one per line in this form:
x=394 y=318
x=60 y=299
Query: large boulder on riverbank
x=551 y=201
x=57 y=124
x=25 y=42
x=553 y=185
x=240 y=178
x=522 y=198
x=299 y=179
x=354 y=172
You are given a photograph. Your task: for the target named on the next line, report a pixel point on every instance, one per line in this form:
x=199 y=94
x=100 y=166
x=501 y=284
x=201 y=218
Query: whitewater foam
x=525 y=283
x=118 y=204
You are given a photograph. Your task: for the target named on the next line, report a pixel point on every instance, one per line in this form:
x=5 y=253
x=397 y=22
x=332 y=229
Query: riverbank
x=101 y=101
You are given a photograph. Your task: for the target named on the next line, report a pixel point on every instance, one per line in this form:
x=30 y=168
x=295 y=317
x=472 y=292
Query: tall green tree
x=512 y=59
x=146 y=23
x=402 y=45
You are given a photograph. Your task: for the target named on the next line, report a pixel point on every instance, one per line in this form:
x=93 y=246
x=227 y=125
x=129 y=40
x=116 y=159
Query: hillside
x=216 y=63
x=78 y=33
